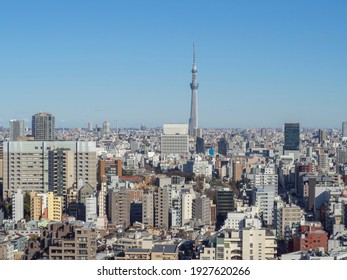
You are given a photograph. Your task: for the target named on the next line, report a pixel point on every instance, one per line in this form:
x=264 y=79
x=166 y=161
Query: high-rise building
x=291 y=137
x=148 y=209
x=106 y=128
x=193 y=120
x=344 y=130
x=43 y=126
x=18 y=205
x=119 y=207
x=175 y=139
x=225 y=204
x=27 y=165
x=17 y=129
x=55 y=207
x=202 y=209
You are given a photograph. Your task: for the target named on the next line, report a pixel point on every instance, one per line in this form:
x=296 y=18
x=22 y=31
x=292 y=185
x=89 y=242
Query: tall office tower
x=17 y=129
x=91 y=208
x=175 y=139
x=30 y=165
x=291 y=137
x=43 y=126
x=105 y=128
x=225 y=204
x=344 y=130
x=193 y=120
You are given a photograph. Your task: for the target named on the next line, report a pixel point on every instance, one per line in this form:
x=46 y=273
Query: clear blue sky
x=260 y=63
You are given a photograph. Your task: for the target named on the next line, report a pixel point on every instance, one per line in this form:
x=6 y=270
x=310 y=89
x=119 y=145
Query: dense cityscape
x=178 y=192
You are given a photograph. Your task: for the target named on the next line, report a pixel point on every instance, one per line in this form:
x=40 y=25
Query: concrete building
x=18 y=205
x=6 y=250
x=38 y=205
x=175 y=139
x=187 y=207
x=91 y=208
x=148 y=209
x=165 y=252
x=161 y=208
x=43 y=127
x=27 y=165
x=17 y=129
x=202 y=209
x=258 y=244
x=265 y=198
x=285 y=216
x=79 y=243
x=119 y=207
x=55 y=207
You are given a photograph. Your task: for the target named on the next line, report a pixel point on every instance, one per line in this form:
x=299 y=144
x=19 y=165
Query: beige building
x=42 y=166
x=55 y=207
x=6 y=251
x=165 y=252
x=38 y=205
x=148 y=209
x=228 y=247
x=286 y=216
x=258 y=244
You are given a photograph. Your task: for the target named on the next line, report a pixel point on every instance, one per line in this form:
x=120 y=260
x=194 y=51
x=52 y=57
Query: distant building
x=344 y=130
x=43 y=126
x=200 y=145
x=291 y=137
x=17 y=129
x=175 y=139
x=223 y=146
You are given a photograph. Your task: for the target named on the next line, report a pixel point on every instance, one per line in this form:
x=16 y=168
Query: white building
x=175 y=139
x=18 y=205
x=265 y=198
x=91 y=208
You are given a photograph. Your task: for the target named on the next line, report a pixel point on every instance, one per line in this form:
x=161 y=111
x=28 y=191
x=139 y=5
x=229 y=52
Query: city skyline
x=260 y=64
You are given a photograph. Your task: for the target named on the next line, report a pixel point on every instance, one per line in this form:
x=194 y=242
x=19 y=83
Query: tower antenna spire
x=194 y=54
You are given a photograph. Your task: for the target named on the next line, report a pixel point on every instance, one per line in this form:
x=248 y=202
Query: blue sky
x=260 y=63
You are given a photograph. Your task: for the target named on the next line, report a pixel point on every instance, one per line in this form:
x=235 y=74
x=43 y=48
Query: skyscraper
x=17 y=129
x=193 y=120
x=291 y=137
x=43 y=126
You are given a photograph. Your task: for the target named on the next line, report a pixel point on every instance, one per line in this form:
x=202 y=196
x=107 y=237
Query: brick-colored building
x=310 y=237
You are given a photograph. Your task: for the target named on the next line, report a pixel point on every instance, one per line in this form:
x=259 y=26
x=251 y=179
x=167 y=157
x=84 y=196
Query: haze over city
x=259 y=64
